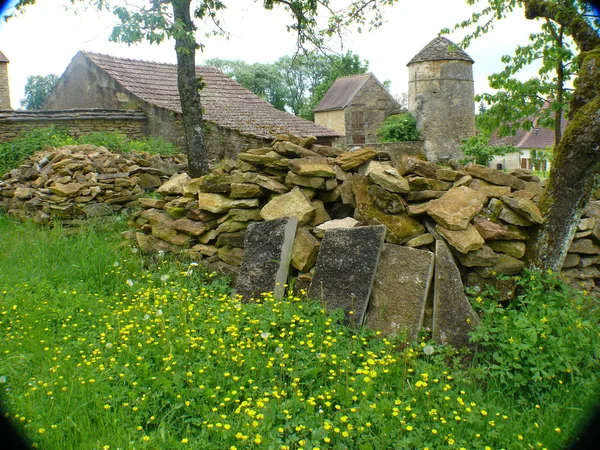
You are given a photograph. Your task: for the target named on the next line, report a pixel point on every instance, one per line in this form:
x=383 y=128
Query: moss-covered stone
x=400 y=227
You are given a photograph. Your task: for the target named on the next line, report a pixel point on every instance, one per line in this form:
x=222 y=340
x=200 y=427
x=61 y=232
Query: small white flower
x=129 y=282
x=278 y=349
x=193 y=264
x=161 y=253
x=264 y=334
x=146 y=316
x=2 y=379
x=135 y=250
x=116 y=264
x=428 y=350
x=108 y=344
x=159 y=312
x=164 y=278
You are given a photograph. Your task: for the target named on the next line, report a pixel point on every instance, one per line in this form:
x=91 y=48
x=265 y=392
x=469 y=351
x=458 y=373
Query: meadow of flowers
x=105 y=349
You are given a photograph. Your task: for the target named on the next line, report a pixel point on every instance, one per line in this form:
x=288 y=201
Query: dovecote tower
x=441 y=97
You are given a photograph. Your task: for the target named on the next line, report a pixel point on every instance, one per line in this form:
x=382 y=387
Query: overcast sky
x=45 y=39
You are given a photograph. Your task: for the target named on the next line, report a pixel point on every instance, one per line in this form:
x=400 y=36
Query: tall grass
x=158 y=354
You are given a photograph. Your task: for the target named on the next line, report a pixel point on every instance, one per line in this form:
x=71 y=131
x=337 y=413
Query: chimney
x=4 y=92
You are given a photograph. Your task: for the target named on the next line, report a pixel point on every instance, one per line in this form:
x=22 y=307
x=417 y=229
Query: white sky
x=45 y=39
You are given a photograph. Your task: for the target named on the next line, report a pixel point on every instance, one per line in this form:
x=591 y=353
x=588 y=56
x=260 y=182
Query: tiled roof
x=3 y=58
x=226 y=103
x=341 y=92
x=440 y=49
x=540 y=137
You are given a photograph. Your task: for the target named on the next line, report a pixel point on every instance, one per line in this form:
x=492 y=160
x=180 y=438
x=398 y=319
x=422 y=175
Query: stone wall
x=440 y=96
x=367 y=111
x=334 y=120
x=395 y=150
x=75 y=121
x=4 y=91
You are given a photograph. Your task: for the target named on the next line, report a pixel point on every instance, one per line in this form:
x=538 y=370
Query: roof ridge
x=145 y=61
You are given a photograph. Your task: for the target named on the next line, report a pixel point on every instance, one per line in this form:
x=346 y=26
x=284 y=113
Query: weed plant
x=14 y=153
x=103 y=349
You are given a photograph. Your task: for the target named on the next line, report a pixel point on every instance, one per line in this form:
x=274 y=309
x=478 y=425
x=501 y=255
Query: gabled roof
x=226 y=103
x=440 y=49
x=3 y=58
x=343 y=90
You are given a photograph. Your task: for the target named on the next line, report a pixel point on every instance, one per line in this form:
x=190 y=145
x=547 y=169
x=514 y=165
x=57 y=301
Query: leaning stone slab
x=345 y=270
x=455 y=210
x=400 y=291
x=453 y=316
x=267 y=254
x=292 y=204
x=305 y=250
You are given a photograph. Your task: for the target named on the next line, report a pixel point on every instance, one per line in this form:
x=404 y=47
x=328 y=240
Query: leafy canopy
x=37 y=89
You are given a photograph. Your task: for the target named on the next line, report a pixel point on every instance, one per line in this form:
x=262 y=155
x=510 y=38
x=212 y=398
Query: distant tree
x=37 y=89
x=293 y=84
x=477 y=148
x=402 y=98
x=265 y=80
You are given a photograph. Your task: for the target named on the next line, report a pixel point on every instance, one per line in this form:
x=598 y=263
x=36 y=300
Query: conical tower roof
x=3 y=58
x=440 y=49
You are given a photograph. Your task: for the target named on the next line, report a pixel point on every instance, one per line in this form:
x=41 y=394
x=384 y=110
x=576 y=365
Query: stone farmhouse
x=355 y=106
x=236 y=119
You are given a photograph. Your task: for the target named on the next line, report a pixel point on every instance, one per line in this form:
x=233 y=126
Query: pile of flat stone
x=83 y=181
x=482 y=214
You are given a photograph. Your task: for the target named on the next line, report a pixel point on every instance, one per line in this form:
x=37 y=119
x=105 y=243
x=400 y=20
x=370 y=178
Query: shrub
x=545 y=337
x=398 y=128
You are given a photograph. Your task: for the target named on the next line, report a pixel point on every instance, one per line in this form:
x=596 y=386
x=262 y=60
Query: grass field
x=105 y=349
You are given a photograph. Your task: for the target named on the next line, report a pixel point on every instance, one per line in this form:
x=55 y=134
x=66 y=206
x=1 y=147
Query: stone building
x=236 y=119
x=355 y=107
x=441 y=97
x=4 y=92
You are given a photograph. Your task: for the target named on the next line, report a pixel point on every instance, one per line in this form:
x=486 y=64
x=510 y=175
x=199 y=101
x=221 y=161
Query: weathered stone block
x=525 y=208
x=455 y=210
x=465 y=240
x=292 y=204
x=305 y=250
x=312 y=167
x=453 y=316
x=268 y=251
x=175 y=184
x=387 y=177
x=217 y=203
x=506 y=265
x=400 y=291
x=428 y=184
x=516 y=249
x=401 y=228
x=584 y=246
x=336 y=224
x=353 y=159
x=421 y=241
x=483 y=257
x=345 y=270
x=496 y=176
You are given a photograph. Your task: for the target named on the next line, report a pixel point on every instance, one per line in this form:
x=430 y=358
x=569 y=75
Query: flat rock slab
x=292 y=204
x=345 y=270
x=400 y=290
x=455 y=210
x=453 y=316
x=267 y=254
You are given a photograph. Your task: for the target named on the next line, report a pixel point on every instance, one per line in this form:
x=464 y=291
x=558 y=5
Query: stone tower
x=441 y=97
x=4 y=92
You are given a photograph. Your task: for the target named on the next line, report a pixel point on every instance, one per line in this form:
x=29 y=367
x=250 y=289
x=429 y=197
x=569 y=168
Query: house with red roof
x=236 y=119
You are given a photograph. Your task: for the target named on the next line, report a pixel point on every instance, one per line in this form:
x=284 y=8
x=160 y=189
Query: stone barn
x=236 y=119
x=355 y=107
x=4 y=92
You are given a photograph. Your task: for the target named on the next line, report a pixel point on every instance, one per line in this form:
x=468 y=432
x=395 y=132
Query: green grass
x=102 y=348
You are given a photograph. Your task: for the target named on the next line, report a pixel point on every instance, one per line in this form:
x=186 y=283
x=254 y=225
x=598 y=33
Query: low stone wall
x=76 y=122
x=395 y=150
x=484 y=215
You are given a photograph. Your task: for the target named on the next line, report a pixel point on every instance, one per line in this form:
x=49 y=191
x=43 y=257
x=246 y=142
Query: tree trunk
x=187 y=83
x=573 y=179
x=560 y=81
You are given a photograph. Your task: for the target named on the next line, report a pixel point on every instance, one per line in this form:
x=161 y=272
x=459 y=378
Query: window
x=358 y=139
x=358 y=119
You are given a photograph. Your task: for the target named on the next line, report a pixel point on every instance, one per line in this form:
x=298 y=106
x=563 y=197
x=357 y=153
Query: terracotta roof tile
x=226 y=103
